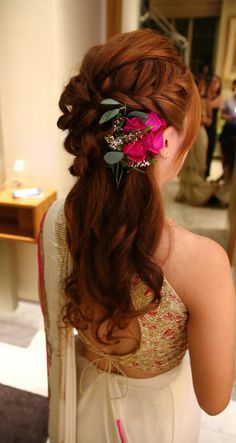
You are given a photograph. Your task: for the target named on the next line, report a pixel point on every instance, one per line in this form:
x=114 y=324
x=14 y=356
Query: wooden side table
x=19 y=221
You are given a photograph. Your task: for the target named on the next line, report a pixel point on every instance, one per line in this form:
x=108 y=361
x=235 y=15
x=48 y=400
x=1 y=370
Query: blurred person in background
x=228 y=135
x=215 y=101
x=194 y=189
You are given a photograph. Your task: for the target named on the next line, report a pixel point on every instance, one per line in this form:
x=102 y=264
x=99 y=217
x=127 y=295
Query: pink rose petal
x=153 y=142
x=135 y=151
x=133 y=123
x=155 y=121
x=158 y=142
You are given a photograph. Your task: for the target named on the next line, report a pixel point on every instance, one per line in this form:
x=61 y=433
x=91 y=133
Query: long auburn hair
x=113 y=233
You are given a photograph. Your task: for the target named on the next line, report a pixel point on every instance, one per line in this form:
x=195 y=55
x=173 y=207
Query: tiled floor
x=24 y=367
x=22 y=342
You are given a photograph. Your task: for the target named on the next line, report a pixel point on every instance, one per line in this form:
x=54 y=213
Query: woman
x=193 y=187
x=216 y=102
x=228 y=135
x=137 y=288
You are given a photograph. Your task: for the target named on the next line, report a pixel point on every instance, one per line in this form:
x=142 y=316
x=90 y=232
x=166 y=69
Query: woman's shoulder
x=199 y=263
x=194 y=243
x=200 y=254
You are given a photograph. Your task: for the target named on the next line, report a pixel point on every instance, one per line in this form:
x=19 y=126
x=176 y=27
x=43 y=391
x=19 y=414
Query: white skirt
x=117 y=409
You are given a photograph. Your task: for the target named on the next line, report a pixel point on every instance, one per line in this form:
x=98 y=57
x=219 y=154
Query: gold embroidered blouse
x=163 y=332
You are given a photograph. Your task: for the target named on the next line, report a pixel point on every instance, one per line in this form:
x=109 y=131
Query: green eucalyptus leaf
x=113 y=157
x=108 y=116
x=110 y=101
x=140 y=114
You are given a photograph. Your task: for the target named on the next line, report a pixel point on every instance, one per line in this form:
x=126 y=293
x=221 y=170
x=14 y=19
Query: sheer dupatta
x=54 y=265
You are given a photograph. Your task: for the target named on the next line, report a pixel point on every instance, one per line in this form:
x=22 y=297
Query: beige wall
x=130 y=15
x=41 y=43
x=228 y=10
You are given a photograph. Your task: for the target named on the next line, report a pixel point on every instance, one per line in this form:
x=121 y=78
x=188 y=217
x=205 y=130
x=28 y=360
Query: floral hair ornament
x=134 y=137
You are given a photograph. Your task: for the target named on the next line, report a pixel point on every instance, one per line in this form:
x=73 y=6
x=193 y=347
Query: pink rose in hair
x=151 y=141
x=135 y=151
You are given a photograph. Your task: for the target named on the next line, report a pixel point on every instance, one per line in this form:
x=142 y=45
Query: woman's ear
x=172 y=142
x=168 y=132
x=168 y=137
x=170 y=160
x=164 y=152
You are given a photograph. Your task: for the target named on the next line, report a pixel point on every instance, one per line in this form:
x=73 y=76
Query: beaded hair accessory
x=134 y=136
